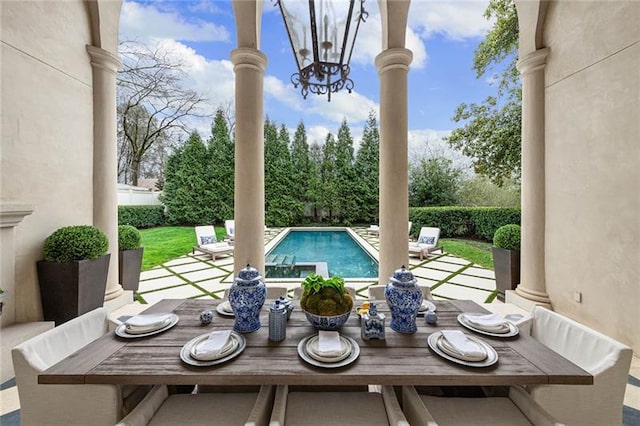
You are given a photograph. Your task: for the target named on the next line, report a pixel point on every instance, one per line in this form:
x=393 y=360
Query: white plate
x=185 y=352
x=311 y=349
x=353 y=355
x=513 y=329
x=427 y=306
x=121 y=330
x=492 y=355
x=222 y=309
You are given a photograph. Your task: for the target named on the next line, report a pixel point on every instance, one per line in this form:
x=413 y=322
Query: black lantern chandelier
x=322 y=35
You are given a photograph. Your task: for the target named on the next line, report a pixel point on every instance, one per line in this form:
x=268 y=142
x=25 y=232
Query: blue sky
x=442 y=35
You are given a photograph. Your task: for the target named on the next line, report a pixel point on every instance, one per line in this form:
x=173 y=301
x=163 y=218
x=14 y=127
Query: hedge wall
x=464 y=222
x=141 y=216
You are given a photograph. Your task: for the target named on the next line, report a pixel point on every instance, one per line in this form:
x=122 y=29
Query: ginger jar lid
x=248 y=275
x=403 y=277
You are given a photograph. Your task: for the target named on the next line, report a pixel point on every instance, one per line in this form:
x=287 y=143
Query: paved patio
x=197 y=276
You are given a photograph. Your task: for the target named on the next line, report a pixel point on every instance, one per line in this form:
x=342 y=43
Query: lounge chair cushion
x=207 y=239
x=427 y=240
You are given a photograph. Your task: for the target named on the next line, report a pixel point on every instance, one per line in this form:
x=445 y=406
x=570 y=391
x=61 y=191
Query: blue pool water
x=344 y=257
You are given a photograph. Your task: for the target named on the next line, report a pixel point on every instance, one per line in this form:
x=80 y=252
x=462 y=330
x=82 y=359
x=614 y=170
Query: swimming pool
x=343 y=255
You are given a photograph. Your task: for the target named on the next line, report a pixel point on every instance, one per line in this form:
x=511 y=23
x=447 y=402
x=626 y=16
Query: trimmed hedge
x=507 y=237
x=129 y=237
x=146 y=216
x=72 y=243
x=464 y=222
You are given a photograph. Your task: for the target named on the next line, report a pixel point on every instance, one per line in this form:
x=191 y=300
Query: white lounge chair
x=207 y=243
x=607 y=359
x=230 y=228
x=427 y=243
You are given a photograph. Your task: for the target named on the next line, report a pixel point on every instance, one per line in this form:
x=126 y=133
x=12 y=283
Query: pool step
x=281 y=259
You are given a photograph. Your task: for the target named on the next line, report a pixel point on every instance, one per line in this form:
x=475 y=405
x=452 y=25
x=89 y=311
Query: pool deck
x=196 y=276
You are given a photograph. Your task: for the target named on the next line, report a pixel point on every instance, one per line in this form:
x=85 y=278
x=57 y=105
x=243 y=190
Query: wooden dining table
x=400 y=359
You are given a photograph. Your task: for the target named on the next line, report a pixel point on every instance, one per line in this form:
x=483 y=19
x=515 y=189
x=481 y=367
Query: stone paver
x=453 y=259
x=444 y=266
x=180 y=261
x=154 y=273
x=432 y=274
x=204 y=274
x=182 y=292
x=189 y=267
x=480 y=272
x=157 y=283
x=477 y=282
x=452 y=291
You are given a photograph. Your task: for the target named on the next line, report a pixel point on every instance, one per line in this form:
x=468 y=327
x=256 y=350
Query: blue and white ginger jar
x=404 y=298
x=247 y=296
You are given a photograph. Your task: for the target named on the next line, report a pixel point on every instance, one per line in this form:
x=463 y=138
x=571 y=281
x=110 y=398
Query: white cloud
x=455 y=19
x=352 y=106
x=147 y=22
x=282 y=92
x=369 y=43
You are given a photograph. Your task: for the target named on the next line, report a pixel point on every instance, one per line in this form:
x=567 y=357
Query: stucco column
x=532 y=285
x=105 y=153
x=249 y=65
x=393 y=66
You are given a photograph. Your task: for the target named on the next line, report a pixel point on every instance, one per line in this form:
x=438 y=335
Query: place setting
x=225 y=309
x=458 y=347
x=144 y=325
x=213 y=348
x=488 y=324
x=425 y=306
x=328 y=349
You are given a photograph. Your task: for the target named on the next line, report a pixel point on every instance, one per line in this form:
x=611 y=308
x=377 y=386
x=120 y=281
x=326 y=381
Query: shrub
x=71 y=243
x=129 y=237
x=464 y=222
x=146 y=216
x=507 y=237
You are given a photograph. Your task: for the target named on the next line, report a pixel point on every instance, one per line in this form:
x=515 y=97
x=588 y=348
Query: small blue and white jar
x=247 y=296
x=277 y=322
x=404 y=298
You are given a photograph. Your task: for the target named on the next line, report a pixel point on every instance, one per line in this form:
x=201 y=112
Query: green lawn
x=477 y=252
x=168 y=242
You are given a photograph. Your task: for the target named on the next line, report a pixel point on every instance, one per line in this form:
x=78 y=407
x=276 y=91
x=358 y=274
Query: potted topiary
x=325 y=302
x=73 y=274
x=130 y=257
x=506 y=258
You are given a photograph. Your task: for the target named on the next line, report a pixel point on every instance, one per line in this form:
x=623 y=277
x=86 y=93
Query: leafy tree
x=481 y=192
x=280 y=206
x=328 y=196
x=187 y=184
x=433 y=182
x=315 y=181
x=220 y=169
x=301 y=168
x=367 y=172
x=152 y=103
x=491 y=131
x=345 y=176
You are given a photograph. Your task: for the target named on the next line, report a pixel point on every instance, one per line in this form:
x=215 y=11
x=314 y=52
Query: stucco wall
x=593 y=164
x=47 y=128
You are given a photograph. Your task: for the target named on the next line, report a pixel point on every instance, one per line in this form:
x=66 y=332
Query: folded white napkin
x=467 y=348
x=145 y=323
x=329 y=343
x=210 y=348
x=226 y=307
x=489 y=322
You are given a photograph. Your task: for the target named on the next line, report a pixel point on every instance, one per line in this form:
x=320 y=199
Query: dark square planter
x=69 y=290
x=129 y=266
x=506 y=264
